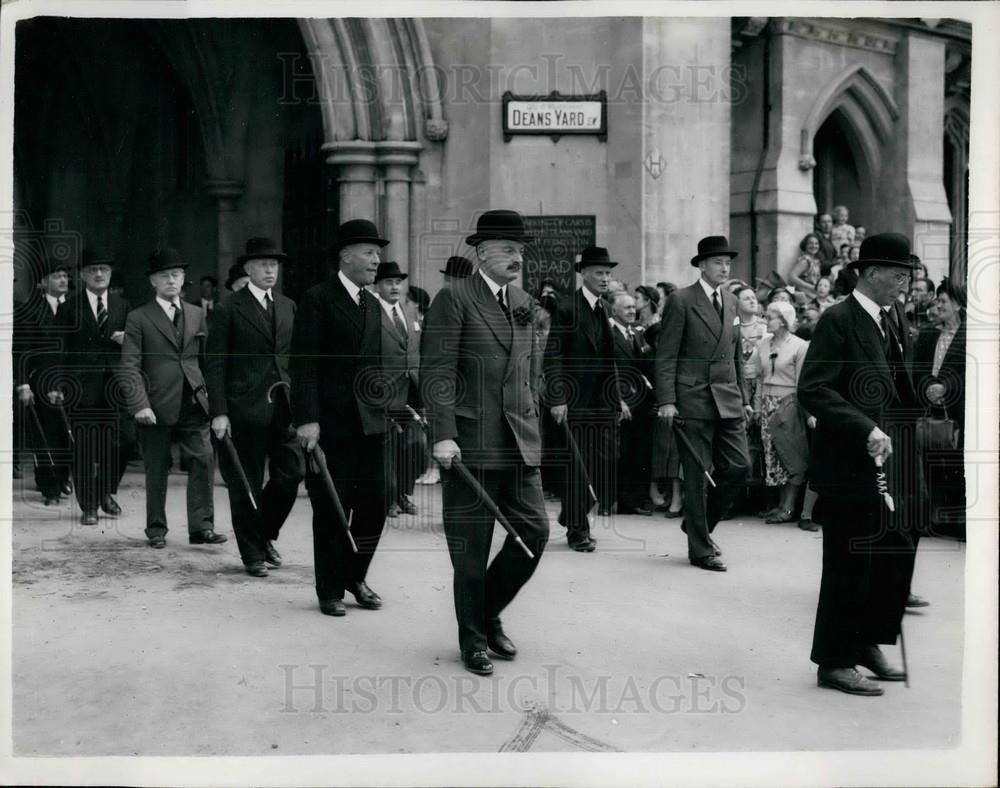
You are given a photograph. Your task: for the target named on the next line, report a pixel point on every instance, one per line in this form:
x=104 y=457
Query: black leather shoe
x=584 y=546
x=670 y=514
x=207 y=537
x=366 y=598
x=393 y=510
x=257 y=569
x=406 y=506
x=871 y=657
x=89 y=517
x=718 y=550
x=157 y=542
x=710 y=562
x=640 y=509
x=916 y=601
x=52 y=500
x=498 y=642
x=807 y=524
x=332 y=607
x=110 y=506
x=847 y=680
x=477 y=662
x=66 y=489
x=271 y=554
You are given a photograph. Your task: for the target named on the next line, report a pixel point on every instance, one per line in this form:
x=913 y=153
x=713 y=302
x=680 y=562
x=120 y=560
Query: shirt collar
x=352 y=289
x=54 y=300
x=493 y=286
x=591 y=298
x=257 y=293
x=623 y=329
x=389 y=308
x=869 y=306
x=709 y=290
x=165 y=305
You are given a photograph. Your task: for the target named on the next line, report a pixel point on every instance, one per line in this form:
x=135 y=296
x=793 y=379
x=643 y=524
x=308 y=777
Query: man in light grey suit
x=699 y=378
x=400 y=366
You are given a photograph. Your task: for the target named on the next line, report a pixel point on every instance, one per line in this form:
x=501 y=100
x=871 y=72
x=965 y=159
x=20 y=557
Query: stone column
x=354 y=166
x=397 y=160
x=418 y=227
x=226 y=193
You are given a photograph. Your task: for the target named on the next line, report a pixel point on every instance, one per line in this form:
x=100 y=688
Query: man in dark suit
x=856 y=382
x=338 y=403
x=581 y=388
x=457 y=268
x=36 y=347
x=400 y=367
x=635 y=443
x=247 y=355
x=165 y=392
x=699 y=378
x=91 y=327
x=478 y=374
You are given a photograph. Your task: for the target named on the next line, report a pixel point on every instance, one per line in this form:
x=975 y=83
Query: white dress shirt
x=259 y=294
x=495 y=288
x=54 y=302
x=871 y=308
x=167 y=307
x=92 y=298
x=591 y=298
x=352 y=289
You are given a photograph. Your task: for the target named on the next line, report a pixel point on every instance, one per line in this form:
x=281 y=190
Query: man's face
x=946 y=308
x=96 y=278
x=208 y=290
x=390 y=289
x=826 y=223
x=715 y=269
x=500 y=260
x=57 y=283
x=168 y=283
x=840 y=215
x=359 y=262
x=263 y=272
x=547 y=291
x=809 y=318
x=749 y=305
x=922 y=295
x=597 y=278
x=623 y=310
x=860 y=233
x=888 y=283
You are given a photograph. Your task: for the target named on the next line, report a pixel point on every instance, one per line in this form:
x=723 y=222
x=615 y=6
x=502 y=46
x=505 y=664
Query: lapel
x=704 y=309
x=624 y=345
x=159 y=319
x=523 y=336
x=86 y=314
x=192 y=321
x=346 y=304
x=491 y=313
x=284 y=319
x=869 y=338
x=250 y=311
x=586 y=319
x=388 y=324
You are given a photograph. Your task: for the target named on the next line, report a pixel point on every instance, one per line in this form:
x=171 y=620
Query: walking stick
x=578 y=461
x=686 y=443
x=466 y=475
x=319 y=459
x=234 y=458
x=41 y=433
x=883 y=487
x=65 y=420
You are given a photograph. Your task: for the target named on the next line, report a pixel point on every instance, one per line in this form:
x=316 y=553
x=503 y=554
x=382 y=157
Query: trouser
x=103 y=443
x=276 y=446
x=594 y=436
x=867 y=567
x=357 y=467
x=404 y=459
x=52 y=460
x=720 y=445
x=192 y=435
x=481 y=593
x=635 y=458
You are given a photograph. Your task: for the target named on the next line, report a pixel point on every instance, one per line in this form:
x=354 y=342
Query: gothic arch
x=865 y=103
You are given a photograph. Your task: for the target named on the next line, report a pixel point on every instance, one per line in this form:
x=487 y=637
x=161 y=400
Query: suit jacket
x=91 y=358
x=155 y=366
x=580 y=366
x=336 y=362
x=633 y=371
x=951 y=374
x=848 y=385
x=34 y=345
x=401 y=358
x=244 y=359
x=478 y=373
x=699 y=363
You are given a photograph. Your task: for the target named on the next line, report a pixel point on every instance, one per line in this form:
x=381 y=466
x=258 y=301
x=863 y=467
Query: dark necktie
x=503 y=305
x=176 y=320
x=361 y=300
x=102 y=315
x=398 y=322
x=267 y=302
x=717 y=304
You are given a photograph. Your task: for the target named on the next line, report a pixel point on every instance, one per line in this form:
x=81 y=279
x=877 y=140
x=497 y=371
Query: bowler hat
x=94 y=256
x=236 y=271
x=52 y=266
x=163 y=259
x=594 y=255
x=458 y=267
x=262 y=249
x=388 y=270
x=711 y=246
x=885 y=249
x=499 y=226
x=356 y=231
x=773 y=280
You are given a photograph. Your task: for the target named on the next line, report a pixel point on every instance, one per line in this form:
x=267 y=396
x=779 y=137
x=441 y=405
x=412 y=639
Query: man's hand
x=308 y=435
x=220 y=426
x=668 y=412
x=748 y=412
x=559 y=413
x=879 y=444
x=936 y=392
x=146 y=417
x=811 y=422
x=117 y=336
x=446 y=451
x=625 y=414
x=55 y=396
x=24 y=395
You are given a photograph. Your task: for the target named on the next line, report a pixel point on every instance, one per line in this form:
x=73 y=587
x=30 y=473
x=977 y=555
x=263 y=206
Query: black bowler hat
x=53 y=266
x=236 y=271
x=388 y=271
x=594 y=255
x=262 y=249
x=885 y=249
x=458 y=267
x=356 y=231
x=499 y=226
x=711 y=246
x=163 y=259
x=93 y=256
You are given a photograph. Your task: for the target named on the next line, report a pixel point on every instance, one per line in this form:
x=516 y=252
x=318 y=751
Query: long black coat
x=951 y=374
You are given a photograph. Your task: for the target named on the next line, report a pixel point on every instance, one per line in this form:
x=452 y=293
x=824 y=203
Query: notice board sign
x=555 y=115
x=553 y=253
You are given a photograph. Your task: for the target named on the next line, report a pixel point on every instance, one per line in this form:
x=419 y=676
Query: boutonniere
x=736 y=320
x=416 y=325
x=523 y=315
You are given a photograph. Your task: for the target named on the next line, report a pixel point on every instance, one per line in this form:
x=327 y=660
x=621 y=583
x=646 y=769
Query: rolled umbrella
x=882 y=485
x=686 y=443
x=466 y=475
x=65 y=420
x=41 y=433
x=227 y=441
x=319 y=459
x=578 y=461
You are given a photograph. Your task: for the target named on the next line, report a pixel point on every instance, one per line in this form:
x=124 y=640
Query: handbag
x=936 y=433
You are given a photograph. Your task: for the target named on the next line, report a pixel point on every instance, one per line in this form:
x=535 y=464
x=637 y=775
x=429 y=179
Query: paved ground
x=119 y=649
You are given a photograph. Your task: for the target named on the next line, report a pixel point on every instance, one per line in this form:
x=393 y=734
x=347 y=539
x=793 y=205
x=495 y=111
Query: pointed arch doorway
x=842 y=175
